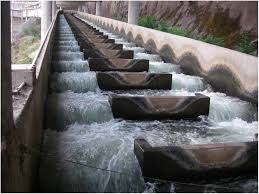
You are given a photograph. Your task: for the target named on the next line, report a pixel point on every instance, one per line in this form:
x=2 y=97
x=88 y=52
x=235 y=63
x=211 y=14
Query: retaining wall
x=228 y=71
x=23 y=152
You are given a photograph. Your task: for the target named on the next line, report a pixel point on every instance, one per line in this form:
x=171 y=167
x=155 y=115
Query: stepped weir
x=124 y=116
x=110 y=106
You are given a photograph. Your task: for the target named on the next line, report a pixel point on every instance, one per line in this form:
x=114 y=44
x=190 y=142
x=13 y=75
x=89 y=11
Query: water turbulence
x=75 y=81
x=63 y=66
x=83 y=139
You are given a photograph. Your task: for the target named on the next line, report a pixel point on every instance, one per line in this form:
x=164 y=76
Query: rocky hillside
x=225 y=19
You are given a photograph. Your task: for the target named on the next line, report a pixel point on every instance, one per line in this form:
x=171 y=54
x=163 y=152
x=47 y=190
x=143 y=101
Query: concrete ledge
x=195 y=162
x=130 y=65
x=22 y=73
x=159 y=107
x=125 y=81
x=228 y=71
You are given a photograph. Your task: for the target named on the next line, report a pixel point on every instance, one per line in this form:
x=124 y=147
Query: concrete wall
x=23 y=152
x=22 y=73
x=228 y=71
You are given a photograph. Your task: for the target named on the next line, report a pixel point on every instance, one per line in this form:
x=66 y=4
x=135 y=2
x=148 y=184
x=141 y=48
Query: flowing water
x=81 y=133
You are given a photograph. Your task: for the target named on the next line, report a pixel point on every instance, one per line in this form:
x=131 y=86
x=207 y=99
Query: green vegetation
x=214 y=40
x=180 y=32
x=27 y=43
x=148 y=21
x=243 y=44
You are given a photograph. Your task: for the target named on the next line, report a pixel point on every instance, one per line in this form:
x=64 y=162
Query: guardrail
x=228 y=71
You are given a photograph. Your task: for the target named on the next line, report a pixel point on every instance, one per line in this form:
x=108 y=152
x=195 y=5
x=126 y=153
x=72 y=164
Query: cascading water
x=81 y=128
x=75 y=81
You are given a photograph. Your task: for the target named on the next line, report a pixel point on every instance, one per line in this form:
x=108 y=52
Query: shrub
x=163 y=26
x=180 y=32
x=245 y=44
x=214 y=40
x=148 y=22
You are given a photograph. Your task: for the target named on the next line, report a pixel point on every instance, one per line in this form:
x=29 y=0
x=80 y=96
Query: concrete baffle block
x=159 y=107
x=191 y=163
x=129 y=65
x=125 y=81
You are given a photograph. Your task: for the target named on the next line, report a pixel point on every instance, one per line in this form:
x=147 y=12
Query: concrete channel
x=117 y=117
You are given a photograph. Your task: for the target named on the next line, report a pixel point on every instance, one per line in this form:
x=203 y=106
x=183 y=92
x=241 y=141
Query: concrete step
x=129 y=65
x=205 y=161
x=65 y=38
x=66 y=43
x=75 y=48
x=68 y=56
x=159 y=107
x=125 y=81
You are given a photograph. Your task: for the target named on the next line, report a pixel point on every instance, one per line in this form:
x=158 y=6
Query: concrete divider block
x=159 y=107
x=92 y=53
x=109 y=46
x=93 y=32
x=101 y=40
x=106 y=64
x=191 y=163
x=108 y=53
x=125 y=81
x=124 y=54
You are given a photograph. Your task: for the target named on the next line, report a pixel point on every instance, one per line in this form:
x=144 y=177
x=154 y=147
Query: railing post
x=45 y=17
x=54 y=9
x=99 y=8
x=133 y=12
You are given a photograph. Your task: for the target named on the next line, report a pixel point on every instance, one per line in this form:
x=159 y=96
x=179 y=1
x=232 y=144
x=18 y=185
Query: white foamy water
x=161 y=67
x=74 y=81
x=69 y=107
x=135 y=49
x=226 y=108
x=63 y=66
x=67 y=43
x=68 y=48
x=69 y=56
x=187 y=82
x=150 y=57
